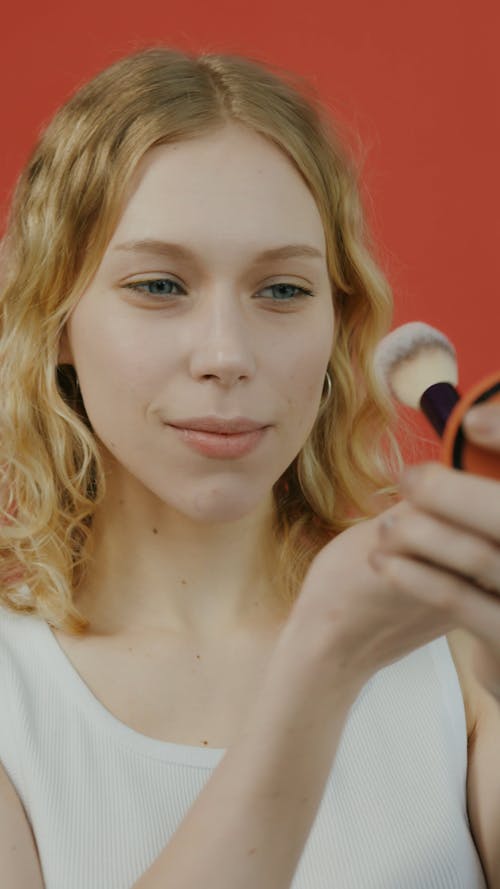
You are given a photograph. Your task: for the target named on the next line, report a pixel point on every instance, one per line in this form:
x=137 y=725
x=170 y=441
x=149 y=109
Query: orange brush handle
x=457 y=451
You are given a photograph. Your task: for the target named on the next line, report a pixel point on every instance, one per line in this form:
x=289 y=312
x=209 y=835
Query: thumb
x=482 y=425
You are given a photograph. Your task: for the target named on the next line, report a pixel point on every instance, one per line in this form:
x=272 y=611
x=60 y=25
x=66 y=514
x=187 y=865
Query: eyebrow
x=179 y=251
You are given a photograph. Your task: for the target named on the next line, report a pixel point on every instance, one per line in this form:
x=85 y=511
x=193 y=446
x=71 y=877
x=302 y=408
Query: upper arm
x=483 y=772
x=18 y=852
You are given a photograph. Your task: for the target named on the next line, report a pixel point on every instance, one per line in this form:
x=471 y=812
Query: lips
x=218 y=425
x=221 y=445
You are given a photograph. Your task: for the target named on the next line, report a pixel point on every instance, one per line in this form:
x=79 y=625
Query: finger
x=418 y=535
x=482 y=425
x=462 y=498
x=461 y=602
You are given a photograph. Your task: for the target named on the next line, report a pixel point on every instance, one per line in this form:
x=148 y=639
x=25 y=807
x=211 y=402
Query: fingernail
x=387 y=522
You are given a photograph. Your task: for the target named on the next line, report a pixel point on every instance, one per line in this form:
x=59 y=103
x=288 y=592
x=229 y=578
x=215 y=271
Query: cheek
x=307 y=367
x=108 y=350
x=311 y=391
x=115 y=373
x=303 y=388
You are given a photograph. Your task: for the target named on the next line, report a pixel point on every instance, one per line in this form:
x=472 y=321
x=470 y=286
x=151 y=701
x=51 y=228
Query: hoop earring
x=324 y=401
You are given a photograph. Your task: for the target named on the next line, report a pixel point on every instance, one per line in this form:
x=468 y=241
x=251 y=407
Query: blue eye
x=299 y=291
x=153 y=283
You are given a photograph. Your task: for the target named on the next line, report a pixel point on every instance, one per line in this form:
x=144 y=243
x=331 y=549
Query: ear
x=64 y=355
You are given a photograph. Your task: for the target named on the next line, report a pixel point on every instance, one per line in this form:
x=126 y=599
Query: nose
x=224 y=343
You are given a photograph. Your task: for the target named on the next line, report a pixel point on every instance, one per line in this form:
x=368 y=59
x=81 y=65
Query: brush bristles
x=413 y=357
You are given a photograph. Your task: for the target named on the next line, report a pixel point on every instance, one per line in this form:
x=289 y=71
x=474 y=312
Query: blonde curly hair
x=65 y=206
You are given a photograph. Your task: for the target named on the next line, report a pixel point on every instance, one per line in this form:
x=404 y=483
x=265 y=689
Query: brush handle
x=445 y=409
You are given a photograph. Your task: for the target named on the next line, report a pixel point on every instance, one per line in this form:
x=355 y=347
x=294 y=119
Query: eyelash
x=135 y=286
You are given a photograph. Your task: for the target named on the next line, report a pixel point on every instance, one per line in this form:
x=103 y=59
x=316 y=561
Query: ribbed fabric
x=103 y=799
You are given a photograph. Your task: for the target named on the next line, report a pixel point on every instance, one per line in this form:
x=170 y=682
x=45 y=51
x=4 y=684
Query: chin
x=219 y=503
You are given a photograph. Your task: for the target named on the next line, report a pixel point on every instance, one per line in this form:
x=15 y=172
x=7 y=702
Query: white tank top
x=103 y=800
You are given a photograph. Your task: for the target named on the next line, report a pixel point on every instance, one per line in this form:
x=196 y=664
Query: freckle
x=184 y=582
x=155 y=530
x=205 y=743
x=252 y=851
x=197 y=657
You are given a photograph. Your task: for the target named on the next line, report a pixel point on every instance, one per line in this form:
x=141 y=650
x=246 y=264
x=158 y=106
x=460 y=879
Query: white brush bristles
x=413 y=357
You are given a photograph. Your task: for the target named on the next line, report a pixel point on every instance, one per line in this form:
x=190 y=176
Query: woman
x=187 y=242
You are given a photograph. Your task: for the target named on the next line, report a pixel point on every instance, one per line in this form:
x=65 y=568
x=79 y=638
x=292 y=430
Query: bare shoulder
x=462 y=645
x=18 y=851
x=474 y=668
x=483 y=772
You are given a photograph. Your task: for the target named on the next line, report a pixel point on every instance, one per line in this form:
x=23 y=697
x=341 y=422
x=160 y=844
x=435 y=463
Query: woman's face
x=217 y=329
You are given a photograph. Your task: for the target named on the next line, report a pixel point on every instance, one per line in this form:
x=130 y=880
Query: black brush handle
x=437 y=403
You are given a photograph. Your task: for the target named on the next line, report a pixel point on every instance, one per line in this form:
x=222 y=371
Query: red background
x=419 y=83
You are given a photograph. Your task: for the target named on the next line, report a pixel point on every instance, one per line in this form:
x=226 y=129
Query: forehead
x=233 y=183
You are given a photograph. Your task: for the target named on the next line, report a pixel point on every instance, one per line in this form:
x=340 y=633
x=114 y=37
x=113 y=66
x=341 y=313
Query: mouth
x=221 y=425
x=221 y=444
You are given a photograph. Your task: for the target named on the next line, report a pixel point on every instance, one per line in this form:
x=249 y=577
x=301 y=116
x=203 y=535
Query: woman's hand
x=442 y=546
x=352 y=617
x=442 y=571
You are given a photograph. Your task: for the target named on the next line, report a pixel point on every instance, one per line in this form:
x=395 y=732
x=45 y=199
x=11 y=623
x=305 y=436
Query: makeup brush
x=418 y=365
